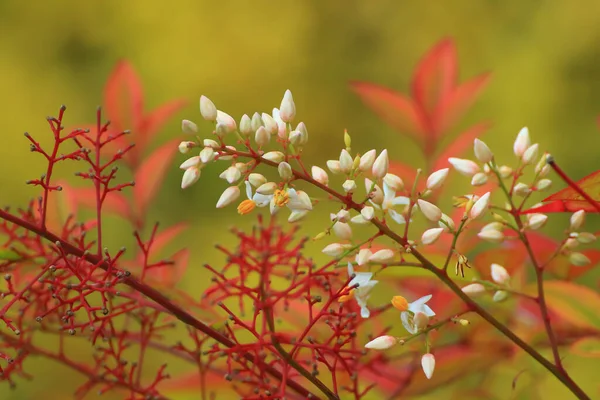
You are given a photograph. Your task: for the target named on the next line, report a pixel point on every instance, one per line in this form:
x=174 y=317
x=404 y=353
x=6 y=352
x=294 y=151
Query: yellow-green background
x=544 y=55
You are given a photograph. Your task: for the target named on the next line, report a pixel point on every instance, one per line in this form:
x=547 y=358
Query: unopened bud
x=579 y=259
x=381 y=165
x=208 y=109
x=482 y=151
x=287 y=110
x=246 y=125
x=382 y=343
x=367 y=160
x=320 y=175
x=188 y=127
x=463 y=166
x=522 y=142
x=437 y=179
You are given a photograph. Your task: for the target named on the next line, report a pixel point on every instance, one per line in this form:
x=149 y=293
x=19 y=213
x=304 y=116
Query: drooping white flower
x=428 y=364
x=188 y=127
x=190 y=176
x=536 y=221
x=363 y=291
x=430 y=236
x=342 y=230
x=577 y=220
x=390 y=200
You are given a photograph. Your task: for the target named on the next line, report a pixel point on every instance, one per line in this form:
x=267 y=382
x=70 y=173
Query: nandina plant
x=473 y=283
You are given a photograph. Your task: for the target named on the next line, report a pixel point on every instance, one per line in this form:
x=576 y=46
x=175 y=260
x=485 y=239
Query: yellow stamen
x=400 y=303
x=345 y=298
x=281 y=197
x=246 y=206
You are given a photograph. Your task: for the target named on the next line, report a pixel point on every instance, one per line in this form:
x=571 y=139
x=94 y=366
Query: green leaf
x=9 y=255
x=576 y=304
x=586 y=347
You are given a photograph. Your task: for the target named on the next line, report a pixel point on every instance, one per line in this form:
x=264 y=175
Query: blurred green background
x=544 y=56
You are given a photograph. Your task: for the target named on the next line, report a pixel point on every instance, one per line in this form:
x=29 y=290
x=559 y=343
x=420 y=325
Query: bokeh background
x=544 y=57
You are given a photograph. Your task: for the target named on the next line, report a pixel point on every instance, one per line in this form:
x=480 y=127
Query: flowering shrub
x=273 y=323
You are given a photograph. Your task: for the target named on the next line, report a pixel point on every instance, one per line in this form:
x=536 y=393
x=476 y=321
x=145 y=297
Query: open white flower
x=390 y=200
x=362 y=291
x=415 y=315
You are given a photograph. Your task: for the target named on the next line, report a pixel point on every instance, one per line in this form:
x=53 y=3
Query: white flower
x=428 y=364
x=342 y=230
x=482 y=151
x=341 y=216
x=381 y=165
x=320 y=175
x=479 y=179
x=257 y=180
x=226 y=121
x=336 y=249
x=363 y=291
x=543 y=184
x=393 y=181
x=349 y=186
x=474 y=289
x=465 y=167
x=491 y=235
x=363 y=255
x=431 y=235
x=522 y=142
x=382 y=342
x=231 y=174
x=208 y=109
x=281 y=125
x=436 y=179
x=207 y=154
x=430 y=211
x=374 y=192
x=229 y=196
x=420 y=306
x=500 y=296
x=190 y=162
x=274 y=156
x=285 y=171
x=270 y=124
x=521 y=189
x=184 y=147
x=297 y=215
x=480 y=206
x=246 y=125
x=334 y=166
x=382 y=256
x=345 y=161
x=367 y=213
x=287 y=110
x=190 y=176
x=390 y=200
x=499 y=274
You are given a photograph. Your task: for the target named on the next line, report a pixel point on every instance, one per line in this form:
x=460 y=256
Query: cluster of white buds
x=501 y=284
x=576 y=238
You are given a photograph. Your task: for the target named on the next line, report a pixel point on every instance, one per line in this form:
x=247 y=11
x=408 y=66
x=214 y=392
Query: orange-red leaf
x=570 y=200
x=149 y=175
x=435 y=76
x=394 y=108
x=123 y=97
x=453 y=106
x=163 y=238
x=152 y=123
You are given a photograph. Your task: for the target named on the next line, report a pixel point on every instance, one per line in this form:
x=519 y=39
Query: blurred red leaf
x=586 y=347
x=394 y=108
x=163 y=238
x=154 y=121
x=453 y=106
x=123 y=97
x=435 y=76
x=150 y=173
x=170 y=275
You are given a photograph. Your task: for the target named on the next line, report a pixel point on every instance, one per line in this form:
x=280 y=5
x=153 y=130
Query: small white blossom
x=437 y=179
x=336 y=249
x=430 y=236
x=246 y=125
x=522 y=189
x=374 y=191
x=287 y=110
x=543 y=184
x=362 y=257
x=207 y=155
x=530 y=155
x=394 y=182
x=381 y=165
x=275 y=156
x=480 y=206
x=536 y=221
x=285 y=171
x=474 y=289
x=231 y=174
x=270 y=124
x=229 y=196
x=188 y=127
x=428 y=364
x=226 y=121
x=430 y=211
x=382 y=343
x=190 y=162
x=499 y=274
x=522 y=142
x=334 y=166
x=363 y=291
x=320 y=175
x=367 y=160
x=382 y=256
x=297 y=215
x=342 y=230
x=349 y=186
x=208 y=109
x=491 y=235
x=505 y=171
x=190 y=176
x=482 y=151
x=500 y=296
x=464 y=166
x=345 y=161
x=479 y=179
x=257 y=180
x=577 y=220
x=281 y=125
x=184 y=147
x=390 y=200
x=267 y=188
x=367 y=213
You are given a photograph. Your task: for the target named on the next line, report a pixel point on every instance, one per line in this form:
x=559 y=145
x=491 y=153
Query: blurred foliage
x=544 y=57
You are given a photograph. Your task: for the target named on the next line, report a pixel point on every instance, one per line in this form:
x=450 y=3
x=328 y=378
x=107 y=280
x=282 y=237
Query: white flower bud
x=394 y=182
x=382 y=256
x=261 y=136
x=571 y=244
x=211 y=143
x=367 y=213
x=480 y=206
x=190 y=162
x=342 y=216
x=334 y=166
x=430 y=211
x=493 y=226
x=281 y=126
x=522 y=142
x=530 y=154
x=297 y=215
x=479 y=179
x=499 y=274
x=285 y=171
x=367 y=160
x=227 y=121
x=342 y=230
x=231 y=174
x=221 y=130
x=320 y=175
x=184 y=147
x=287 y=110
x=256 y=180
x=491 y=235
x=349 y=186
x=446 y=223
x=207 y=154
x=274 y=156
x=577 y=220
x=536 y=221
x=267 y=188
x=579 y=259
x=543 y=184
x=463 y=166
x=521 y=189
x=474 y=289
x=336 y=249
x=257 y=121
x=482 y=151
x=229 y=196
x=381 y=165
x=208 y=109
x=428 y=365
x=362 y=257
x=190 y=176
x=345 y=161
x=586 y=238
x=246 y=125
x=431 y=235
x=505 y=171
x=500 y=296
x=188 y=127
x=270 y=124
x=359 y=219
x=382 y=343
x=374 y=191
x=436 y=179
x=223 y=156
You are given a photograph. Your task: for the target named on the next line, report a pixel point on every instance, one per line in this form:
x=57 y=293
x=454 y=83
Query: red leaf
x=155 y=120
x=163 y=238
x=573 y=201
x=461 y=144
x=435 y=76
x=394 y=108
x=123 y=97
x=452 y=107
x=149 y=175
